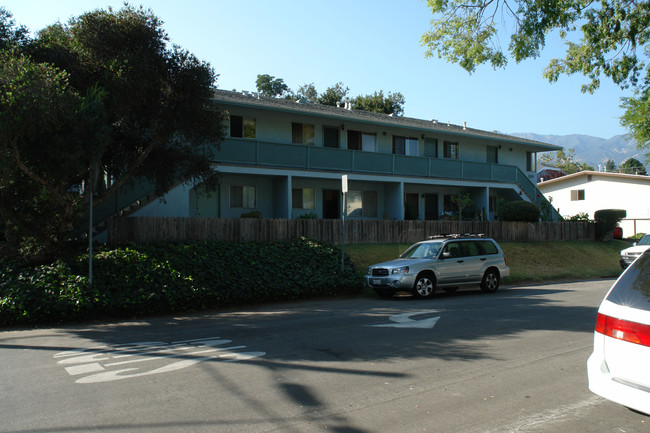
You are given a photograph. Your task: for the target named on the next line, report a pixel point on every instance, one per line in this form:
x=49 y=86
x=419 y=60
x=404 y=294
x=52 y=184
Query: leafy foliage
x=334 y=95
x=155 y=279
x=565 y=160
x=270 y=86
x=103 y=92
x=519 y=210
x=580 y=216
x=603 y=38
x=633 y=166
x=393 y=103
x=606 y=220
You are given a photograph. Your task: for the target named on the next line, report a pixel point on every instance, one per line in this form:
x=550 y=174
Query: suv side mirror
x=446 y=255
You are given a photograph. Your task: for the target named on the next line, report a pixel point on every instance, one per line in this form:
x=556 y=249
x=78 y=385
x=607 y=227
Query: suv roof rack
x=457 y=235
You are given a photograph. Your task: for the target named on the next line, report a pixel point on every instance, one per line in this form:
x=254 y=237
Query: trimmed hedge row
x=178 y=277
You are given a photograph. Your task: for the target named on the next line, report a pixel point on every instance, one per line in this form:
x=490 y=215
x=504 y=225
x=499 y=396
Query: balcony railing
x=305 y=157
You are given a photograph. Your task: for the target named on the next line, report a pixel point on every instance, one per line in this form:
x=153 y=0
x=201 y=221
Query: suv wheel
x=425 y=286
x=490 y=281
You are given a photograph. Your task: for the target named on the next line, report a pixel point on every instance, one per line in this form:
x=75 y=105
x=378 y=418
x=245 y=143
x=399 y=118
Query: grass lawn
x=528 y=261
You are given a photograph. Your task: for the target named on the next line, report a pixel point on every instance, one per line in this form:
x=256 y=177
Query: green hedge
x=177 y=277
x=519 y=211
x=606 y=221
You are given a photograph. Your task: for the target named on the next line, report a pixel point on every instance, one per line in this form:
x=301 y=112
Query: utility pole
x=90 y=228
x=344 y=189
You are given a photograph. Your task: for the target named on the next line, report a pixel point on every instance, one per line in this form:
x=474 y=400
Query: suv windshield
x=426 y=250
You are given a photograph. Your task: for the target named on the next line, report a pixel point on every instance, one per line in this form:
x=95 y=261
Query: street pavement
x=468 y=362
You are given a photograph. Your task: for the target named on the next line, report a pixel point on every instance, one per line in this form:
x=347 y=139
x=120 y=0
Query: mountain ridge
x=594 y=151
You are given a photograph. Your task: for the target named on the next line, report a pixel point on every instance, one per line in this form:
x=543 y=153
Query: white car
x=618 y=369
x=629 y=254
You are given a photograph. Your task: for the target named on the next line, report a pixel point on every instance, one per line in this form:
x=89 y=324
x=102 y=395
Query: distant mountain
x=594 y=151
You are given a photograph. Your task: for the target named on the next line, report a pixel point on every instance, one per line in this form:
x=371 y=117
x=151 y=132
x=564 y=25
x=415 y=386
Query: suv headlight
x=400 y=270
x=369 y=271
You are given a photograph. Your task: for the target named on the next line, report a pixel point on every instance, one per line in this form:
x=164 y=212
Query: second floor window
x=241 y=127
x=405 y=145
x=530 y=161
x=302 y=133
x=450 y=149
x=331 y=137
x=242 y=197
x=365 y=141
x=492 y=154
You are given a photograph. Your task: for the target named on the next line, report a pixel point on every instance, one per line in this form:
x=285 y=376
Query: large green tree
x=378 y=103
x=50 y=136
x=603 y=38
x=132 y=108
x=270 y=86
x=565 y=160
x=334 y=95
x=633 y=166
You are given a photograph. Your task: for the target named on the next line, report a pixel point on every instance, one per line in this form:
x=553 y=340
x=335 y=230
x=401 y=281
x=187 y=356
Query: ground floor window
x=362 y=204
x=242 y=197
x=577 y=194
x=303 y=198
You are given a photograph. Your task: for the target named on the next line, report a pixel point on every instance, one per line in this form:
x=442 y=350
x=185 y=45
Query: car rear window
x=488 y=247
x=633 y=287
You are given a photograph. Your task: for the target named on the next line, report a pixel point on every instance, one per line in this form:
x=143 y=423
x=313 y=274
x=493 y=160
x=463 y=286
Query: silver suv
x=446 y=262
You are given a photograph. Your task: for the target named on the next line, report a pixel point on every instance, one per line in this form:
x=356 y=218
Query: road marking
x=97 y=364
x=404 y=321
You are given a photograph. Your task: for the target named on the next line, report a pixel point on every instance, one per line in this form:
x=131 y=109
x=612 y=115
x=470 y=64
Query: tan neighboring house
x=589 y=191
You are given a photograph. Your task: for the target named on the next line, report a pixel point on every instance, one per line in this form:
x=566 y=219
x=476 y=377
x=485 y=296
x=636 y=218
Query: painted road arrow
x=404 y=321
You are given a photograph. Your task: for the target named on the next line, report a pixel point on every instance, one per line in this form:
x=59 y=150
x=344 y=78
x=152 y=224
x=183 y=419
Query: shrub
x=606 y=220
x=519 y=211
x=580 y=216
x=174 y=277
x=252 y=214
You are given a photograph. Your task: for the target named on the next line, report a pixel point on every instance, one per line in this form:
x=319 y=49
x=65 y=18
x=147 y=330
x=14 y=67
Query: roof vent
x=464 y=125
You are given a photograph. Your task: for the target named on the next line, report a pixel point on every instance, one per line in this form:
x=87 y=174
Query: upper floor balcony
x=305 y=157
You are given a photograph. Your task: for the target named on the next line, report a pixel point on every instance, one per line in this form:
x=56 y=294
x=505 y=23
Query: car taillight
x=631 y=332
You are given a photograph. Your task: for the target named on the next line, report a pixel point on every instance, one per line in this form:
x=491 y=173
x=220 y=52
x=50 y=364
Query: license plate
x=376 y=282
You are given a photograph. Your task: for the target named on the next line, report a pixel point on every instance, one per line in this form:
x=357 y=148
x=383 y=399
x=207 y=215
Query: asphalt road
x=512 y=361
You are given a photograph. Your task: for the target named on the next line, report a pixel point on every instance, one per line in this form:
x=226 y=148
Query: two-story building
x=285 y=159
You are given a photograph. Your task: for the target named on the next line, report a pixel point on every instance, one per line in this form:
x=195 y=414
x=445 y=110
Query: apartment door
x=411 y=206
x=431 y=211
x=331 y=204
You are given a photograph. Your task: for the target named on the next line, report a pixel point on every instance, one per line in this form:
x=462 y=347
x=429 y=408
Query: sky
x=368 y=45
